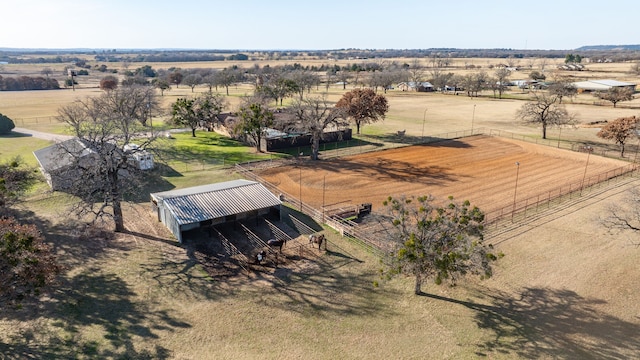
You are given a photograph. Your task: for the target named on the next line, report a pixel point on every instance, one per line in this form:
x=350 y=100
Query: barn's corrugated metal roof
x=600 y=85
x=212 y=201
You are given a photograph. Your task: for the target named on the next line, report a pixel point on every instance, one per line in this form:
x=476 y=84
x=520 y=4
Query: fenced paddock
x=506 y=178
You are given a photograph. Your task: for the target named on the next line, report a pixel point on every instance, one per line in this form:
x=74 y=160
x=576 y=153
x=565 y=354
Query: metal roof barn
x=190 y=208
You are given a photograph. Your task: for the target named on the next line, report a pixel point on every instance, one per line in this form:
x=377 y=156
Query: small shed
x=207 y=205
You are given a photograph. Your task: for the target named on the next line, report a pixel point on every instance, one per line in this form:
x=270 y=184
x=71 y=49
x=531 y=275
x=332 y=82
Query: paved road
x=42 y=135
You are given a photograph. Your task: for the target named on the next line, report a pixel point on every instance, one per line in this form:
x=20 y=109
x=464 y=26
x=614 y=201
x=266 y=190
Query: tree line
x=20 y=83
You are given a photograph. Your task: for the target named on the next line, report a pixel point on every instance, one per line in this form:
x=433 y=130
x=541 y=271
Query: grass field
x=566 y=288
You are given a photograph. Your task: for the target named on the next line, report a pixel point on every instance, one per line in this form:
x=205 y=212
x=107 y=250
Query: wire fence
x=519 y=210
x=521 y=207
x=36 y=120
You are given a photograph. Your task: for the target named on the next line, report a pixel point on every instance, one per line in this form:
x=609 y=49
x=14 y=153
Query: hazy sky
x=323 y=24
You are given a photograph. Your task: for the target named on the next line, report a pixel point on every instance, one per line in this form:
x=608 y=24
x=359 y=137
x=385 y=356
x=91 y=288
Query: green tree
x=363 y=106
x=15 y=179
x=439 y=242
x=162 y=85
x=27 y=264
x=615 y=95
x=6 y=124
x=255 y=118
x=620 y=130
x=546 y=110
x=199 y=111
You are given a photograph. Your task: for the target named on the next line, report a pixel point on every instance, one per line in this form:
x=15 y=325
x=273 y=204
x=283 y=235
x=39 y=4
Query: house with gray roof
x=56 y=159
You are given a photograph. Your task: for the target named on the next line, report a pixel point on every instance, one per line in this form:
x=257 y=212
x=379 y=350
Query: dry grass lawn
x=566 y=288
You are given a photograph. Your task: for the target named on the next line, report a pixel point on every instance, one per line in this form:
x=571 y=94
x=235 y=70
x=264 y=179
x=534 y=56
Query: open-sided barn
x=207 y=205
x=602 y=85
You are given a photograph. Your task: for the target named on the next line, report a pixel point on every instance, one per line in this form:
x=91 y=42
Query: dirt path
x=42 y=135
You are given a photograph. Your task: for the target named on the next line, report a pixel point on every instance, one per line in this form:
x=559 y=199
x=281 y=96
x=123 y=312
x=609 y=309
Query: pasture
x=567 y=288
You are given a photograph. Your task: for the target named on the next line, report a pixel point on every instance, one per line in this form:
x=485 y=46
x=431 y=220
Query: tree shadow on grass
x=90 y=305
x=320 y=286
x=14 y=134
x=551 y=323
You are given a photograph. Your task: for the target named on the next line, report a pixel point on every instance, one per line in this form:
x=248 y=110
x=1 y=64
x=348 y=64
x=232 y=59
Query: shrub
x=6 y=124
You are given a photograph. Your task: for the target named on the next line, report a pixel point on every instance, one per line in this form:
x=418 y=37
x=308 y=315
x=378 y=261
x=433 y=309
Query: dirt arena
x=481 y=169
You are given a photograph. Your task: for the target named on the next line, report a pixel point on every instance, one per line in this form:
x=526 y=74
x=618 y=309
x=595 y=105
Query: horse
x=261 y=256
x=317 y=240
x=276 y=243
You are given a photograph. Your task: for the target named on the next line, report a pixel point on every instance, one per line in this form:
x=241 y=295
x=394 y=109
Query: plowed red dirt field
x=481 y=169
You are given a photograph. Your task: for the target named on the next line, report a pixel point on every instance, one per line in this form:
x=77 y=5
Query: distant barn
x=602 y=85
x=207 y=205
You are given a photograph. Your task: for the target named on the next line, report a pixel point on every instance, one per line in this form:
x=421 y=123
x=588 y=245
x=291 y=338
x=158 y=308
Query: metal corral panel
x=213 y=201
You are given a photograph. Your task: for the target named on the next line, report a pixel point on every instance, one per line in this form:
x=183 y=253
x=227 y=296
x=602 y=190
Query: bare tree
x=546 y=110
x=344 y=77
x=475 y=83
x=101 y=172
x=440 y=79
x=416 y=72
x=542 y=63
x=624 y=217
x=192 y=80
x=502 y=76
x=562 y=86
x=46 y=72
x=211 y=81
x=314 y=115
x=305 y=80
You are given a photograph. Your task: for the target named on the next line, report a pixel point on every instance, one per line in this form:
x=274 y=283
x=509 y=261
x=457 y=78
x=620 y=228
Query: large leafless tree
x=623 y=219
x=545 y=110
x=100 y=171
x=313 y=116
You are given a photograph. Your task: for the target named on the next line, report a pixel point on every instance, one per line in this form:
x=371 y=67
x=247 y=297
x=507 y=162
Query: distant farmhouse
x=601 y=85
x=413 y=86
x=57 y=159
x=214 y=204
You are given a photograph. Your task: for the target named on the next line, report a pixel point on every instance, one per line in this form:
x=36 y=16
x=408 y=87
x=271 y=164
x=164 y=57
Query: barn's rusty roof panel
x=212 y=201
